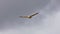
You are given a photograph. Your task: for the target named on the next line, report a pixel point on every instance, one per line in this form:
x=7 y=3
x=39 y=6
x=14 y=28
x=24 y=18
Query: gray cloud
x=40 y=24
x=11 y=9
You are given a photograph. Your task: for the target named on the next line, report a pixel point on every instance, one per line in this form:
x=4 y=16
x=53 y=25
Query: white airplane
x=28 y=16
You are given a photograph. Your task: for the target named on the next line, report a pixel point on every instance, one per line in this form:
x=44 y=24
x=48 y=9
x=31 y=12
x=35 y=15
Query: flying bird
x=28 y=16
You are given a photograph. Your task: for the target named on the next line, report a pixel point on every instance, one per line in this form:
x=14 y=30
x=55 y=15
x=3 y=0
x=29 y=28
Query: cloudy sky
x=46 y=22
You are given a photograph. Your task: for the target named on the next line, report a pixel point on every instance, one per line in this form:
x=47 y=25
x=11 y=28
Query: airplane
x=29 y=16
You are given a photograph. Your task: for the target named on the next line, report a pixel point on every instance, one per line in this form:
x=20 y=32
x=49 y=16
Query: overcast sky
x=46 y=22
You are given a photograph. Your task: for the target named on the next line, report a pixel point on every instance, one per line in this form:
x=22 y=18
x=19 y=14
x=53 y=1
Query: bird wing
x=28 y=16
x=34 y=14
x=24 y=16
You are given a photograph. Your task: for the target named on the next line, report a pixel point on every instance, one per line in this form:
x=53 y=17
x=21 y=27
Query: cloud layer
x=47 y=22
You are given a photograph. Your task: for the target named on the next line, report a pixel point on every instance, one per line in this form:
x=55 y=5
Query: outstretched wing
x=24 y=16
x=34 y=14
x=28 y=16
